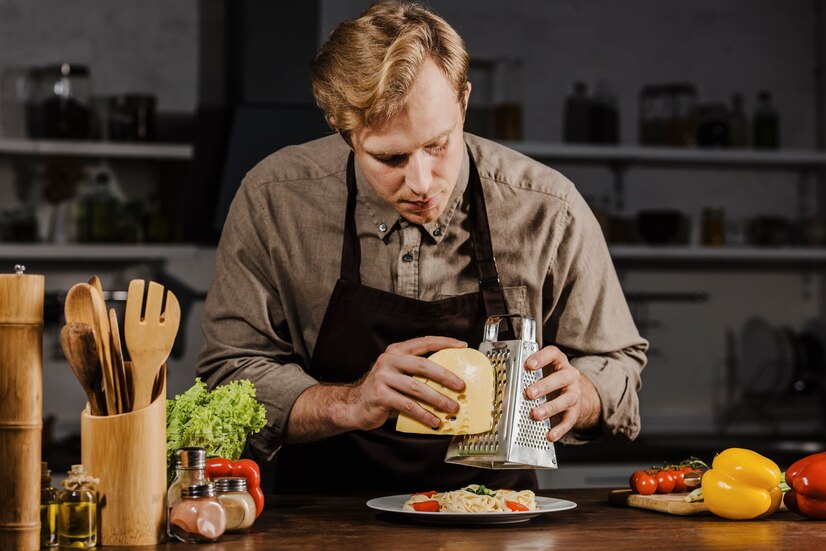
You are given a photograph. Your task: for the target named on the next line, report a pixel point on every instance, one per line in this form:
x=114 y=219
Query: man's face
x=413 y=160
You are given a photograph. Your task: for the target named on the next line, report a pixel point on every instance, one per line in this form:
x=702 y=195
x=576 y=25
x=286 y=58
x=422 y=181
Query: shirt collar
x=384 y=218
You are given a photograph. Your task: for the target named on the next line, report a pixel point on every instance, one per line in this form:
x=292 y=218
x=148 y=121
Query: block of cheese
x=475 y=413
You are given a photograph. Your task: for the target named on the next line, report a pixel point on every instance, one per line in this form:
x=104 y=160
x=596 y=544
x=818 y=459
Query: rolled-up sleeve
x=590 y=321
x=245 y=331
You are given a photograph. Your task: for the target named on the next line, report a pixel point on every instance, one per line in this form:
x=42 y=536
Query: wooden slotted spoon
x=149 y=338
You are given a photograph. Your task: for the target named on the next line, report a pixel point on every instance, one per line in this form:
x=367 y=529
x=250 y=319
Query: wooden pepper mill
x=21 y=408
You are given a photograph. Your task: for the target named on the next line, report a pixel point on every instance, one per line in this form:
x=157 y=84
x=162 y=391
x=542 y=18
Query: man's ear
x=466 y=97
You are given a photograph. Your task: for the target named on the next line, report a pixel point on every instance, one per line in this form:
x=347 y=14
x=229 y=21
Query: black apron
x=359 y=324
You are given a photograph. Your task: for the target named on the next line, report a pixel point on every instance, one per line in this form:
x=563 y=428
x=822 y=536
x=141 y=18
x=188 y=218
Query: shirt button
x=437 y=232
x=382 y=227
x=407 y=257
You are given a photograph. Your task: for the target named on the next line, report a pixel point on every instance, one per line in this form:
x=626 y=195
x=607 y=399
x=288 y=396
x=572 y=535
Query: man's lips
x=427 y=204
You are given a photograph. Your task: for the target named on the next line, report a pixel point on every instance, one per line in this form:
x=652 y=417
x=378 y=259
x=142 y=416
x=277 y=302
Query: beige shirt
x=280 y=255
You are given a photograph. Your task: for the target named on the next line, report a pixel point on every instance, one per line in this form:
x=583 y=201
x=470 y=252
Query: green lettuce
x=218 y=421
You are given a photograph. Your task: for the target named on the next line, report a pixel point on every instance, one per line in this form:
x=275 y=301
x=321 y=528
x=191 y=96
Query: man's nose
x=419 y=173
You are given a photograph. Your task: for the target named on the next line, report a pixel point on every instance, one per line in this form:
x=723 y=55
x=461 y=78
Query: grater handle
x=492 y=327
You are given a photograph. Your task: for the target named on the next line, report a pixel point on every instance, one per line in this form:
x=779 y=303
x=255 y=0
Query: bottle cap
x=202 y=489
x=190 y=458
x=230 y=484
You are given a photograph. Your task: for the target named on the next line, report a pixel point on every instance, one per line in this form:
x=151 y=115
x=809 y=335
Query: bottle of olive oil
x=77 y=510
x=48 y=508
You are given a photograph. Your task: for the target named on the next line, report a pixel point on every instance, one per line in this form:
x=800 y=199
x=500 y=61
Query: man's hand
x=390 y=384
x=572 y=400
x=322 y=411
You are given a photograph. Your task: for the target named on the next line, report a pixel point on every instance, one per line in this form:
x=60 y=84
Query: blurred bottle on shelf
x=577 y=115
x=668 y=114
x=765 y=123
x=714 y=227
x=738 y=124
x=97 y=213
x=158 y=227
x=507 y=109
x=604 y=115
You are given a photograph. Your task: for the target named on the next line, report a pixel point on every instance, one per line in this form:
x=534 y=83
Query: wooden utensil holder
x=127 y=452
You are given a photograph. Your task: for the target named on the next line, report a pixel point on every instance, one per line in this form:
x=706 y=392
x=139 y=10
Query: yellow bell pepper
x=742 y=484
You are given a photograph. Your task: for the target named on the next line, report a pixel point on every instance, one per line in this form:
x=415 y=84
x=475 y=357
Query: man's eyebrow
x=395 y=153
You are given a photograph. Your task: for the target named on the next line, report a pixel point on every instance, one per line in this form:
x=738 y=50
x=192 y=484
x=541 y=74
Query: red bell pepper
x=217 y=467
x=807 y=482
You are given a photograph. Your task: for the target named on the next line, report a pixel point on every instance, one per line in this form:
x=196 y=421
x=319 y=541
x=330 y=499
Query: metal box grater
x=516 y=441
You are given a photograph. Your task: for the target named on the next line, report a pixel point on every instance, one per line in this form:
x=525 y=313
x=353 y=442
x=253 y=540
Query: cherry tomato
x=665 y=482
x=431 y=506
x=643 y=483
x=679 y=473
x=515 y=506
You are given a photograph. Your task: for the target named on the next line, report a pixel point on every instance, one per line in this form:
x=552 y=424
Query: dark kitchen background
x=696 y=131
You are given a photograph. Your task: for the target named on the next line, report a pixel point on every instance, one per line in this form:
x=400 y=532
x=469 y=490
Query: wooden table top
x=315 y=522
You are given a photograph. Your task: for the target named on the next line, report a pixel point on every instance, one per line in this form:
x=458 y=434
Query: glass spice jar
x=198 y=517
x=238 y=503
x=189 y=469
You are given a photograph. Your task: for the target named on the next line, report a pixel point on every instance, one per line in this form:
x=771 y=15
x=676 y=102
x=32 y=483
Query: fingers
x=560 y=386
x=416 y=365
x=410 y=389
x=422 y=345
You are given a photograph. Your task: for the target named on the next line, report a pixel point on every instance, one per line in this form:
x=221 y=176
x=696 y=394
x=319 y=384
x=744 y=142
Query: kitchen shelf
x=628 y=154
x=663 y=255
x=80 y=148
x=97 y=253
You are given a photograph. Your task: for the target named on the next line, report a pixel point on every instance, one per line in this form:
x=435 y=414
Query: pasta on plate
x=472 y=499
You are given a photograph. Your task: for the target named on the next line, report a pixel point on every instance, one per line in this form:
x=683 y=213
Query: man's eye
x=392 y=160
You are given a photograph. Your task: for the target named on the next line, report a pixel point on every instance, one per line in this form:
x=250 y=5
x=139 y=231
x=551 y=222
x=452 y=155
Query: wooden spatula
x=149 y=337
x=82 y=305
x=78 y=342
x=126 y=388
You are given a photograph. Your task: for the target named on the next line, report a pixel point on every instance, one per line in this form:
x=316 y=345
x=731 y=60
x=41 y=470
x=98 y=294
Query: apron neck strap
x=489 y=284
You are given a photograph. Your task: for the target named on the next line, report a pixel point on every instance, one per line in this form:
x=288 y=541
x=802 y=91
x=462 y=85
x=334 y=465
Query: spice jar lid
x=231 y=484
x=192 y=458
x=202 y=489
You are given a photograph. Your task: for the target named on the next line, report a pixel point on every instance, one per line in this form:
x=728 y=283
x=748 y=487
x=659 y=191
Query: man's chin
x=422 y=217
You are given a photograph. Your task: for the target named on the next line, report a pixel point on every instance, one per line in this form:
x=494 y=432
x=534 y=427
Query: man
x=345 y=261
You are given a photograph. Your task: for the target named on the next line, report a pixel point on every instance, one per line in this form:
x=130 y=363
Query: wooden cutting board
x=672 y=504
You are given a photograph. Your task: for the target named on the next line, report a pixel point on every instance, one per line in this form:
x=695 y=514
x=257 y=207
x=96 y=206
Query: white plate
x=394 y=504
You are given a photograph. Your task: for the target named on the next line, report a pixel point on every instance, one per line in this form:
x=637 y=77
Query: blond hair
x=362 y=74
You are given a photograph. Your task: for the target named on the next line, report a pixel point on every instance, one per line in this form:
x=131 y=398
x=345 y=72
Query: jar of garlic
x=238 y=503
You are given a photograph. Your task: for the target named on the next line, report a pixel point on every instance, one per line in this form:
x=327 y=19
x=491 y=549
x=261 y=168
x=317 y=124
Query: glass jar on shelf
x=60 y=102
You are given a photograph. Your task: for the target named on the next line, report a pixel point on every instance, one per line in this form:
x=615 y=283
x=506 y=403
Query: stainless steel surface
x=516 y=441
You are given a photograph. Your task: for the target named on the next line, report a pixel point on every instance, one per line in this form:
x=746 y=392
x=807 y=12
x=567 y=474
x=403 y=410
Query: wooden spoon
x=78 y=343
x=84 y=304
x=149 y=338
